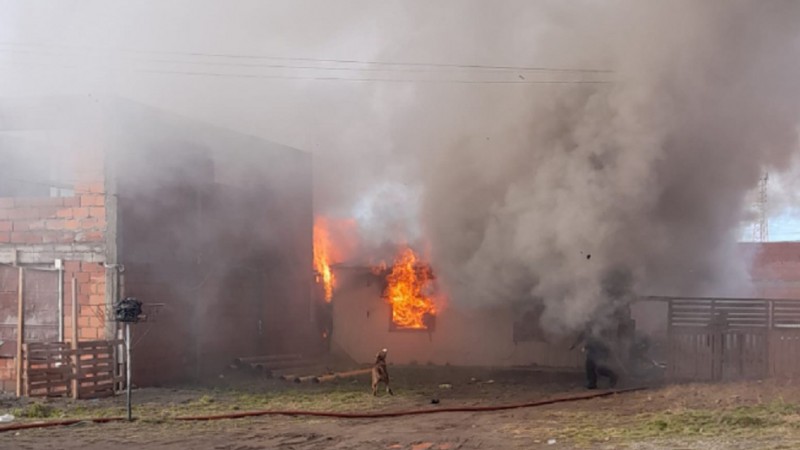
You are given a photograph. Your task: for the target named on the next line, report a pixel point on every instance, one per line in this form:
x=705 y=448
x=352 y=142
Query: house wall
x=775 y=269
x=36 y=232
x=478 y=337
x=217 y=227
x=53 y=206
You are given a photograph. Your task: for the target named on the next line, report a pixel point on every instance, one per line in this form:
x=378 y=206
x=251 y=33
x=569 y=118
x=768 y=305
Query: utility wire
x=386 y=80
x=307 y=59
x=520 y=81
x=294 y=66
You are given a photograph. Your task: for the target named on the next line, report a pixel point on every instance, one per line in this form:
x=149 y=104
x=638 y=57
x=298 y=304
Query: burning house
x=373 y=309
x=211 y=228
x=397 y=305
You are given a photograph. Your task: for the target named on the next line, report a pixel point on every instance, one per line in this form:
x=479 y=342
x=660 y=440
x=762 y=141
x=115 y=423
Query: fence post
x=769 y=338
x=670 y=344
x=75 y=356
x=20 y=327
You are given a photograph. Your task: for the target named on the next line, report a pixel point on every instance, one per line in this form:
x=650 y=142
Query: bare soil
x=751 y=415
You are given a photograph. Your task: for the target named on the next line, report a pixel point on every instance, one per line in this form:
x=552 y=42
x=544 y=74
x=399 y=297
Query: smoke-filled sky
x=641 y=155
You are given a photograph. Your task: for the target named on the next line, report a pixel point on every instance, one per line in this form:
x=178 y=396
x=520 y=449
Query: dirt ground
x=743 y=415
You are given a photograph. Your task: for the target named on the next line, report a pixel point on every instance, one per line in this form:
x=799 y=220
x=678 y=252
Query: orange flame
x=405 y=291
x=334 y=240
x=322 y=257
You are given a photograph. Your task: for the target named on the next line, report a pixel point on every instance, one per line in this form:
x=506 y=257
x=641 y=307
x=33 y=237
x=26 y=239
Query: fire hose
x=336 y=415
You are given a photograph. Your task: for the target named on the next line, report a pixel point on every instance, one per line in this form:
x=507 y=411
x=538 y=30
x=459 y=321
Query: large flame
x=322 y=257
x=406 y=289
x=334 y=241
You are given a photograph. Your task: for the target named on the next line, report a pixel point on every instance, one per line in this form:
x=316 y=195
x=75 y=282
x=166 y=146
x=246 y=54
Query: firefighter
x=598 y=355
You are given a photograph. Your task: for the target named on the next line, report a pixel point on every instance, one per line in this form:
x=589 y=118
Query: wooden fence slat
x=86 y=369
x=102 y=378
x=98 y=388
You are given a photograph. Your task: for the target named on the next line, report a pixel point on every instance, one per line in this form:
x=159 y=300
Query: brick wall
x=61 y=220
x=92 y=311
x=775 y=268
x=7 y=380
x=90 y=280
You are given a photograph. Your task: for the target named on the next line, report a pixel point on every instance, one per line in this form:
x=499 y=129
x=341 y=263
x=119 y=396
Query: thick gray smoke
x=578 y=194
x=638 y=185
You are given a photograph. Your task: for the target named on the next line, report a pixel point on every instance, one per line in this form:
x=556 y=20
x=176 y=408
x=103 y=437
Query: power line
x=318 y=60
x=280 y=66
x=521 y=81
x=368 y=80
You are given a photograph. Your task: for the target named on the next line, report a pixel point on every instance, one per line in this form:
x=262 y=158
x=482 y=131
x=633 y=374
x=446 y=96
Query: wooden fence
x=724 y=339
x=87 y=370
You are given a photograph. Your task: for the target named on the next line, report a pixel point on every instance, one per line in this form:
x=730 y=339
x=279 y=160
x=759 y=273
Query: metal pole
x=128 y=366
x=20 y=327
x=60 y=268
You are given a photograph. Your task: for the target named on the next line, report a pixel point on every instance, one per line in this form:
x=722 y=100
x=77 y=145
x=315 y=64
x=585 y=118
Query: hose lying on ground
x=338 y=415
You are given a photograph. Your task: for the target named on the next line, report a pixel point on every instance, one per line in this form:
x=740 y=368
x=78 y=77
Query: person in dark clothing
x=597 y=357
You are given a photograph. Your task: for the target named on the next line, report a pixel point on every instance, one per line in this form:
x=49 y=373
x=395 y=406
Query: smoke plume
x=577 y=193
x=637 y=186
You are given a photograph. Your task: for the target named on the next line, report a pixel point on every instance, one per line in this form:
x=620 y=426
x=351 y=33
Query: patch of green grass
x=219 y=401
x=37 y=411
x=746 y=421
x=205 y=400
x=743 y=419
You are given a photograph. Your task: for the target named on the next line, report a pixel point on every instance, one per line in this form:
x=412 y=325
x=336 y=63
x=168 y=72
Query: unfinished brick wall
x=92 y=311
x=775 y=269
x=59 y=220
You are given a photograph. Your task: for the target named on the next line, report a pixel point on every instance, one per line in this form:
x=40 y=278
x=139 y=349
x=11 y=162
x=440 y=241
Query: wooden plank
x=99 y=367
x=50 y=371
x=63 y=381
x=97 y=344
x=49 y=387
x=95 y=361
x=36 y=346
x=101 y=394
x=102 y=378
x=90 y=389
x=55 y=392
x=43 y=355
x=94 y=374
x=40 y=375
x=50 y=379
x=94 y=351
